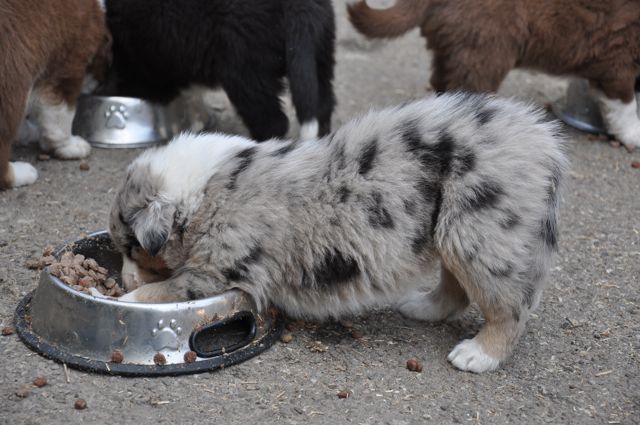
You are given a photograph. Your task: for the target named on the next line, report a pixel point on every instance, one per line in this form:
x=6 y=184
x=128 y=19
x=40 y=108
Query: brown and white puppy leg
x=447 y=301
x=12 y=109
x=54 y=113
x=619 y=109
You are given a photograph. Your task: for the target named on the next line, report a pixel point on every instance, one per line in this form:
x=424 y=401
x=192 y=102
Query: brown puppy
x=46 y=48
x=476 y=43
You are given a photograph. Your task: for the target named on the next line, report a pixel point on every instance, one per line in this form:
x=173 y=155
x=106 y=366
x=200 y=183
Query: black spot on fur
x=240 y=269
x=465 y=162
x=510 y=221
x=529 y=295
x=429 y=189
x=191 y=294
x=549 y=232
x=367 y=157
x=420 y=241
x=284 y=150
x=486 y=115
x=485 y=195
x=378 y=215
x=433 y=157
x=435 y=213
x=515 y=313
x=154 y=240
x=245 y=157
x=335 y=268
x=343 y=193
x=409 y=207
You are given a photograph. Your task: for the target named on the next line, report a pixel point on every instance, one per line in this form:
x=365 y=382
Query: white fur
x=130 y=275
x=309 y=130
x=419 y=304
x=621 y=119
x=23 y=173
x=55 y=122
x=188 y=162
x=468 y=355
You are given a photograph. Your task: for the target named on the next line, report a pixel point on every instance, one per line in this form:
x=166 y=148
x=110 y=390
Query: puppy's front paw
x=73 y=148
x=23 y=173
x=469 y=356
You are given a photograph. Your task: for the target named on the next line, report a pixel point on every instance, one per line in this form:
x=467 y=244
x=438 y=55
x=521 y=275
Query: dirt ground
x=578 y=362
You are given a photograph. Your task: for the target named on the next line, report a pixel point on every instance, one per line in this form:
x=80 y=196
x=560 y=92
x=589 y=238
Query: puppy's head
x=140 y=224
x=162 y=189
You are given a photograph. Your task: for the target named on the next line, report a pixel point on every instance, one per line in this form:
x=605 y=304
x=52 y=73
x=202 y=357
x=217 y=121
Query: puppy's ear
x=152 y=225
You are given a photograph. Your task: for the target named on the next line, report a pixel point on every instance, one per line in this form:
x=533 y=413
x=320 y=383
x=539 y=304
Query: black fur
x=465 y=161
x=485 y=195
x=284 y=150
x=368 y=156
x=378 y=214
x=334 y=268
x=344 y=192
x=246 y=47
x=512 y=220
x=246 y=158
x=240 y=269
x=485 y=116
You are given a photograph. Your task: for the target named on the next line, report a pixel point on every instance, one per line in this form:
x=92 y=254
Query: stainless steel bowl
x=83 y=331
x=127 y=122
x=578 y=109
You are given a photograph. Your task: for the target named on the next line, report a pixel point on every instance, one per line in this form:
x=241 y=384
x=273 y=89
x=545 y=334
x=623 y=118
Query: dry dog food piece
x=414 y=365
x=84 y=166
x=44 y=157
x=8 y=330
x=83 y=273
x=40 y=382
x=23 y=392
x=344 y=394
x=80 y=404
x=356 y=334
x=635 y=164
x=117 y=356
x=159 y=359
x=190 y=357
x=286 y=338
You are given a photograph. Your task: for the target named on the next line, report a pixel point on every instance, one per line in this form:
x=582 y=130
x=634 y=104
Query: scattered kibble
x=23 y=392
x=80 y=404
x=159 y=359
x=635 y=164
x=286 y=338
x=84 y=166
x=344 y=394
x=117 y=356
x=414 y=365
x=8 y=330
x=40 y=382
x=190 y=357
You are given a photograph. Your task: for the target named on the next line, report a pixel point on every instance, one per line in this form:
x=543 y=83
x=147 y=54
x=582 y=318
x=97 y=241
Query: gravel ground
x=577 y=363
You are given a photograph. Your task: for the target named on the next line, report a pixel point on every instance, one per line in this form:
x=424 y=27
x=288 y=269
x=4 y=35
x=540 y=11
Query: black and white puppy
x=161 y=47
x=353 y=221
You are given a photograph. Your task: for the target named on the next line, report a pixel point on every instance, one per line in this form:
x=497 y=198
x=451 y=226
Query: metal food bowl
x=83 y=331
x=128 y=122
x=578 y=109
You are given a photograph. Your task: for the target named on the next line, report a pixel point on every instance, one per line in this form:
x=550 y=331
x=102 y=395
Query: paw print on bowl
x=116 y=116
x=165 y=335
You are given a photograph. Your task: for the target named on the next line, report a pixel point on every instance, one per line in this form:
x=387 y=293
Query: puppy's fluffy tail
x=391 y=22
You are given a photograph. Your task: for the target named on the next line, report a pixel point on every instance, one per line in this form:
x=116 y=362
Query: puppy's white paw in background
x=23 y=173
x=621 y=119
x=468 y=356
x=74 y=147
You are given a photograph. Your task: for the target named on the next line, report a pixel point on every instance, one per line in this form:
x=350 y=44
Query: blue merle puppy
x=354 y=221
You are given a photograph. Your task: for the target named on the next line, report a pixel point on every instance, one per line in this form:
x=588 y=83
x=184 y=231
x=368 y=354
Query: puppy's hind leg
x=447 y=301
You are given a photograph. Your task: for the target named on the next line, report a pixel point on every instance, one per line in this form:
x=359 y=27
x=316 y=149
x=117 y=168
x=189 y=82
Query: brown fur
x=476 y=43
x=48 y=46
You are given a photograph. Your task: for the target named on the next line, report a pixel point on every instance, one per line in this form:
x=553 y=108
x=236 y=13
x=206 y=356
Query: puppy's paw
x=73 y=148
x=425 y=306
x=468 y=355
x=23 y=173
